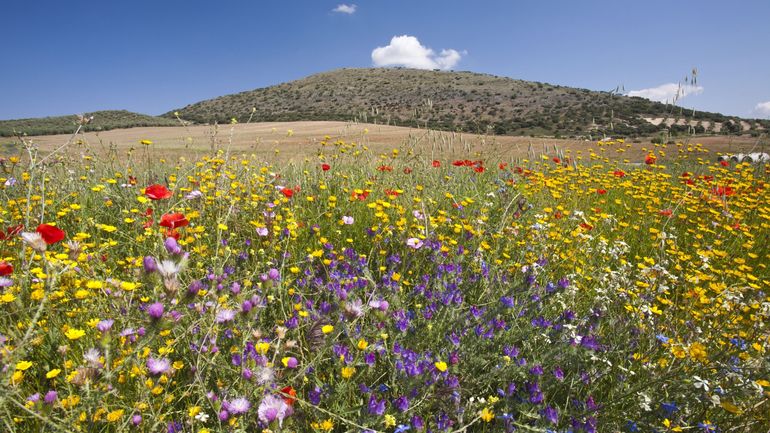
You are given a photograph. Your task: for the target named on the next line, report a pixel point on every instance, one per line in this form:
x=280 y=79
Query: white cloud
x=667 y=92
x=408 y=51
x=345 y=9
x=763 y=109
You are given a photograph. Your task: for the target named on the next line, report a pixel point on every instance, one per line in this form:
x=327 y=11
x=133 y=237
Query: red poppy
x=11 y=232
x=458 y=163
x=723 y=191
x=586 y=226
x=391 y=193
x=502 y=165
x=479 y=169
x=556 y=160
x=5 y=269
x=724 y=163
x=666 y=212
x=326 y=167
x=289 y=395
x=50 y=234
x=385 y=168
x=173 y=220
x=436 y=163
x=288 y=192
x=650 y=159
x=619 y=173
x=601 y=191
x=407 y=170
x=361 y=196
x=157 y=192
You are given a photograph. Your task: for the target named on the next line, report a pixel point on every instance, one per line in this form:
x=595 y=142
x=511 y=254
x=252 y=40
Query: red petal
x=173 y=220
x=5 y=269
x=50 y=234
x=157 y=192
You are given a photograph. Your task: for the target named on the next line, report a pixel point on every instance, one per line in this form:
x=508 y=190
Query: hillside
x=463 y=101
x=102 y=121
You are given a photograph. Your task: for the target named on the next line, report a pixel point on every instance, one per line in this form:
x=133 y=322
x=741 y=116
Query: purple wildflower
x=172 y=246
x=239 y=405
x=273 y=274
x=401 y=404
x=558 y=373
x=376 y=407
x=155 y=310
x=105 y=325
x=225 y=315
x=51 y=397
x=272 y=408
x=149 y=264
x=158 y=366
x=551 y=414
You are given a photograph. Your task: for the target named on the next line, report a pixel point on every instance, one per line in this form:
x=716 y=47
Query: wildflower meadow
x=399 y=291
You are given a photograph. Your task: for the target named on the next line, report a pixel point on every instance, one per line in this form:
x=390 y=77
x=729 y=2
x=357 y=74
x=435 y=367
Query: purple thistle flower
x=172 y=246
x=155 y=310
x=149 y=264
x=238 y=406
x=273 y=274
x=272 y=408
x=158 y=366
x=225 y=316
x=51 y=397
x=105 y=325
x=136 y=419
x=195 y=287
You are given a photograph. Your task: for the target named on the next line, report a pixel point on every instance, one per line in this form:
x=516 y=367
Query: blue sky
x=152 y=56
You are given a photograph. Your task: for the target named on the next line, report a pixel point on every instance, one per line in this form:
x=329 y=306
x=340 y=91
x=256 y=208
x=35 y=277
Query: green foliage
x=102 y=121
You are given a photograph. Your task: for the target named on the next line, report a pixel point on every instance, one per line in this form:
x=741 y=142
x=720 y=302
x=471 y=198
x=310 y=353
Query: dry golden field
x=295 y=141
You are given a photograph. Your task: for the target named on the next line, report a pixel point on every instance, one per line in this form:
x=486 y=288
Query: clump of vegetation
x=101 y=121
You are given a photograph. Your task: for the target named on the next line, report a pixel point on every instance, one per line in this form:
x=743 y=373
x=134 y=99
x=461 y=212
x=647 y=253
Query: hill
x=461 y=101
x=102 y=121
